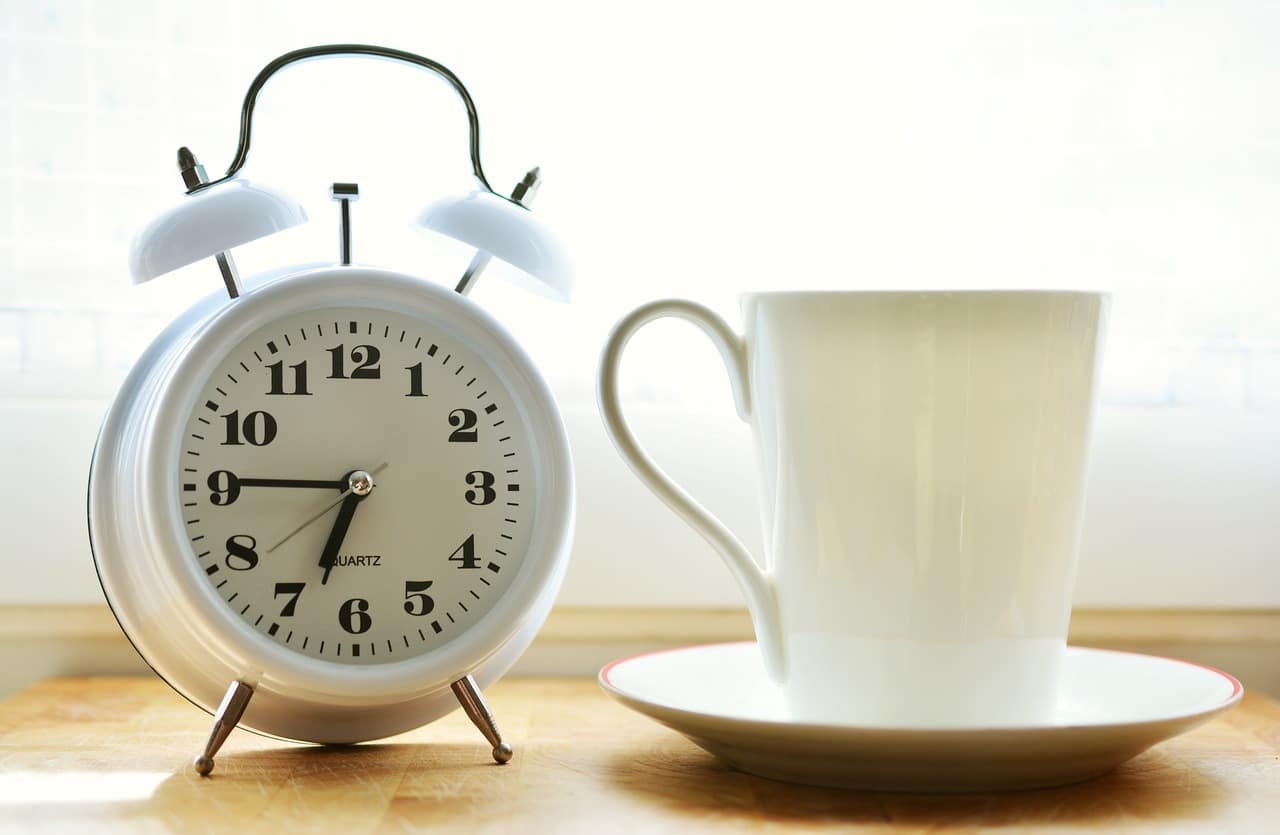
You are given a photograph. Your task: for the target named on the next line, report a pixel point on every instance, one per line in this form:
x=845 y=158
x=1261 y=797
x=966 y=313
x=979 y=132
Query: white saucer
x=1113 y=706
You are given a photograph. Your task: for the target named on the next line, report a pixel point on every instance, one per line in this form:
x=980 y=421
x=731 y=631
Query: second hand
x=328 y=507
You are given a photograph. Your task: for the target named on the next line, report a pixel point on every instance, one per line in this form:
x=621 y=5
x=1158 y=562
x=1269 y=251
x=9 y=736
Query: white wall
x=1181 y=510
x=693 y=149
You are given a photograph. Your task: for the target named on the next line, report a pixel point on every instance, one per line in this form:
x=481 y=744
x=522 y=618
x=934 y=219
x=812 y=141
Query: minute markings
x=266 y=475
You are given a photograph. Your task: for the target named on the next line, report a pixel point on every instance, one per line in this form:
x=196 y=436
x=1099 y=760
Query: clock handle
x=328 y=50
x=757 y=584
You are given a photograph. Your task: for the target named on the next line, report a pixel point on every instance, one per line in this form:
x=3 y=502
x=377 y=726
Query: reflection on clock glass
x=356 y=485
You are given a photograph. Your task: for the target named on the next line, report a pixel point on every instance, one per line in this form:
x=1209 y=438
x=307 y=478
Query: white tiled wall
x=695 y=149
x=1134 y=147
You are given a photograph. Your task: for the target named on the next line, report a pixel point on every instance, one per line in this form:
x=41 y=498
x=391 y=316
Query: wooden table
x=113 y=755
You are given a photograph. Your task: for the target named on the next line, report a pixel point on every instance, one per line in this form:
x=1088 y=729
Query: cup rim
x=809 y=294
x=750 y=300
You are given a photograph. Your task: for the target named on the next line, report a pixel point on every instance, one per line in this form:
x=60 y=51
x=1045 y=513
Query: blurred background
x=696 y=150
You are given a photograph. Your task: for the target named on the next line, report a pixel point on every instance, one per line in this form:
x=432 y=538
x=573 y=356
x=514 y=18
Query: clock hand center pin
x=364 y=482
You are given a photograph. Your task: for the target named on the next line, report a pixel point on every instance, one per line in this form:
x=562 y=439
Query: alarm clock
x=333 y=502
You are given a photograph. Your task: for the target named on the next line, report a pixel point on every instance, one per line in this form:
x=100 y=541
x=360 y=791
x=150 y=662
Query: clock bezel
x=203 y=622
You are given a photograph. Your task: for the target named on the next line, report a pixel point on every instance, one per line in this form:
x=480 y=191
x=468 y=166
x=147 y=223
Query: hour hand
x=339 y=532
x=360 y=485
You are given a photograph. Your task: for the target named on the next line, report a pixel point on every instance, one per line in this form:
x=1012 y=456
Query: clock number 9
x=225 y=487
x=354 y=616
x=415 y=602
x=483 y=493
x=241 y=553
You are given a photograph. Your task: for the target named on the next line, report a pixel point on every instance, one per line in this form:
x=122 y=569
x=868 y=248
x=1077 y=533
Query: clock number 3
x=483 y=492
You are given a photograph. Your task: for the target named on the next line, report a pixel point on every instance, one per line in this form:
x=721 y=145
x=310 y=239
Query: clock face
x=280 y=515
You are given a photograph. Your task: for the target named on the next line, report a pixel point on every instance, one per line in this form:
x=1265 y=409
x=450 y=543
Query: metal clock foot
x=478 y=712
x=224 y=721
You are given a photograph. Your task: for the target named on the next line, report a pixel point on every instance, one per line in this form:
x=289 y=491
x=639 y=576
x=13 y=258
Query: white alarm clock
x=331 y=503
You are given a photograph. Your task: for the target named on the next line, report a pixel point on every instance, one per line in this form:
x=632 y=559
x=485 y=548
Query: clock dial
x=356 y=485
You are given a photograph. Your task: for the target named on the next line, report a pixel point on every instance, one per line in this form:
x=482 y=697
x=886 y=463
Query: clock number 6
x=415 y=602
x=483 y=493
x=354 y=616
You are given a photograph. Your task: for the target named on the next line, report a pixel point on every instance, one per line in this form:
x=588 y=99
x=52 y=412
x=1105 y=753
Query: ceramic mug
x=923 y=461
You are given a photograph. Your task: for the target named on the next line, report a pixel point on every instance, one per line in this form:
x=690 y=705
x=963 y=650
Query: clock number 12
x=365 y=357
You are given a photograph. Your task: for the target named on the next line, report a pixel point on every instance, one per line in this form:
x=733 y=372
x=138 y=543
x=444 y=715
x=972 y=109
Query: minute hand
x=318 y=484
x=322 y=511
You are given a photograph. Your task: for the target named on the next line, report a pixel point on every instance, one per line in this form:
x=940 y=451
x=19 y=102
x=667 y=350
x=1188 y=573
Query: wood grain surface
x=113 y=755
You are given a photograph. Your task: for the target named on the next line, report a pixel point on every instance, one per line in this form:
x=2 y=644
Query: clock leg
x=478 y=712
x=224 y=721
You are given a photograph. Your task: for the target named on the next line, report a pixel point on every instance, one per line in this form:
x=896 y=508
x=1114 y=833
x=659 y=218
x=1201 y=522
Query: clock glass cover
x=355 y=485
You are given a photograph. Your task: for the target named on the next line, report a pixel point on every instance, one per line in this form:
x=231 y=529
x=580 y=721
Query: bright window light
x=688 y=149
x=34 y=788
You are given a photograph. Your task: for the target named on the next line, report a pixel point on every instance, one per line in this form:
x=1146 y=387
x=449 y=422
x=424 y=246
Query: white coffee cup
x=923 y=460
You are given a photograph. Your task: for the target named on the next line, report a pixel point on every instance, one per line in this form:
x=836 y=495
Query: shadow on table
x=364 y=763
x=1152 y=787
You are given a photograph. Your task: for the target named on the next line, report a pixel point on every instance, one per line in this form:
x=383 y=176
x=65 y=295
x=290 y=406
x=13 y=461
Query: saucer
x=1112 y=706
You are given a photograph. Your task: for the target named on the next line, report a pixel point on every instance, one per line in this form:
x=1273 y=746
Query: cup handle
x=757 y=584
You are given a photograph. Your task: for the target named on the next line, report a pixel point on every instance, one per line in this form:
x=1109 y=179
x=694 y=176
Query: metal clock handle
x=324 y=51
